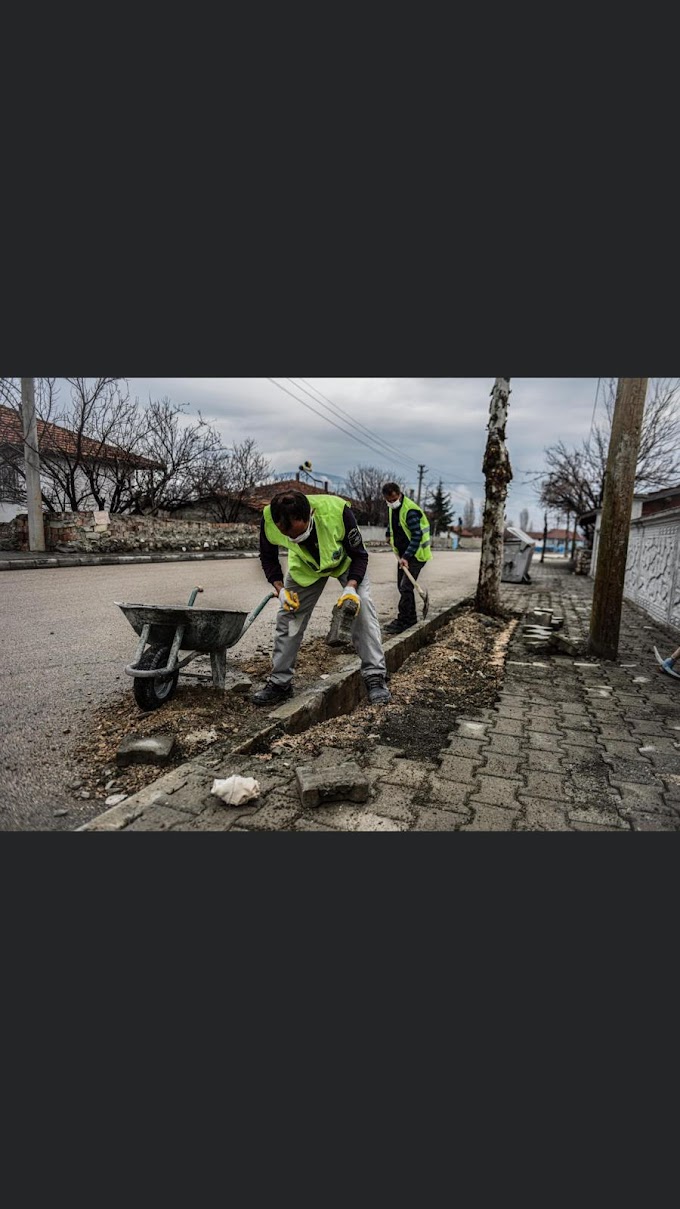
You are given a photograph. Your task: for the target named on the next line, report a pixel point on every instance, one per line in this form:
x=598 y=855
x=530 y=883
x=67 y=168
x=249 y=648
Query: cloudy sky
x=438 y=422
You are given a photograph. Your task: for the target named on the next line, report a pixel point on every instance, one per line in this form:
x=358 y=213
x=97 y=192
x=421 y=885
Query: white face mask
x=396 y=504
x=303 y=536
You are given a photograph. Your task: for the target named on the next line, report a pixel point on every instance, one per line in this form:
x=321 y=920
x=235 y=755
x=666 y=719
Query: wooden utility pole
x=573 y=540
x=36 y=528
x=545 y=535
x=498 y=474
x=421 y=472
x=619 y=486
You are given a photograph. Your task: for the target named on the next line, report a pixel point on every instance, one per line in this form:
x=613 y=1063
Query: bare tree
x=575 y=478
x=177 y=450
x=364 y=484
x=469 y=515
x=498 y=474
x=78 y=438
x=99 y=448
x=524 y=520
x=225 y=482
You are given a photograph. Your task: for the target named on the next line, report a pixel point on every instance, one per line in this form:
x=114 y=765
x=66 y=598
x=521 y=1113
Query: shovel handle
x=415 y=583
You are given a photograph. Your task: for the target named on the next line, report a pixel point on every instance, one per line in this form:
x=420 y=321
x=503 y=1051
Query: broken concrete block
x=341 y=783
x=156 y=749
x=567 y=646
x=235 y=683
x=541 y=617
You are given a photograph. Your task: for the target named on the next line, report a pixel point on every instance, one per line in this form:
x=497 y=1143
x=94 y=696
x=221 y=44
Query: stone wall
x=653 y=567
x=103 y=533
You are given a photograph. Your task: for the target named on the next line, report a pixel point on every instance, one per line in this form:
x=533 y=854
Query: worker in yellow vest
x=323 y=541
x=408 y=532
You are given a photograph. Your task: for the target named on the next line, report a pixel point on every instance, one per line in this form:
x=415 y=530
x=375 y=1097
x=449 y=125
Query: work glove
x=349 y=594
x=290 y=601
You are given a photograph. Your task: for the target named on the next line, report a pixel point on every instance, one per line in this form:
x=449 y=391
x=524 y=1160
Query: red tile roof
x=55 y=439
x=263 y=495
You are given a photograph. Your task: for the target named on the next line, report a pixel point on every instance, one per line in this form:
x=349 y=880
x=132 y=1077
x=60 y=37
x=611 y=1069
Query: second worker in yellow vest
x=408 y=532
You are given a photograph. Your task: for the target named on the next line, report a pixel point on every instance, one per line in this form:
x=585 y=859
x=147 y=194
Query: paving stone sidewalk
x=572 y=744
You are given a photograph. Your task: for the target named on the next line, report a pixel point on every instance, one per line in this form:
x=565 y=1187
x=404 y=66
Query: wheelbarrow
x=165 y=630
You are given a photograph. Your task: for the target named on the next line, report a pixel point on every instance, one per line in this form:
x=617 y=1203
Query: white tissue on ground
x=236 y=790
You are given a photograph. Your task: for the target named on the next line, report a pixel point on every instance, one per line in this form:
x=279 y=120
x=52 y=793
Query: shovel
x=666 y=665
x=425 y=595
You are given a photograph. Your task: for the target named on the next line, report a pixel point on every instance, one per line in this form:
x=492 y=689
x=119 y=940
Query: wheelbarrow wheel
x=151 y=692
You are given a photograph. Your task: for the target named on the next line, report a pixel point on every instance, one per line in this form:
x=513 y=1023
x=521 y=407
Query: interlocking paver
x=407 y=772
x=539 y=724
x=506 y=726
x=446 y=794
x=394 y=802
x=542 y=816
x=542 y=742
x=498 y=764
x=628 y=748
x=654 y=822
x=495 y=790
x=492 y=818
x=472 y=748
x=430 y=819
x=579 y=738
x=511 y=745
x=545 y=761
x=458 y=768
x=545 y=785
x=638 y=798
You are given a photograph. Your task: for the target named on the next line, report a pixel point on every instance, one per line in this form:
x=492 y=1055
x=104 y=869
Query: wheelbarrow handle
x=256 y=612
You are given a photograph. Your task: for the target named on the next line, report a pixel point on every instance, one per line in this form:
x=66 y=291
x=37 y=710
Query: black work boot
x=272 y=694
x=378 y=692
x=398 y=627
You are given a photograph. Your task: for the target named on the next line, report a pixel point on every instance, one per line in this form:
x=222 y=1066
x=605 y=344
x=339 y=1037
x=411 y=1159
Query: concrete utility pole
x=498 y=474
x=619 y=486
x=421 y=472
x=36 y=529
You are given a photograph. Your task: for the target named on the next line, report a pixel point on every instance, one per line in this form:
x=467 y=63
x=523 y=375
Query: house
x=559 y=541
x=645 y=506
x=64 y=448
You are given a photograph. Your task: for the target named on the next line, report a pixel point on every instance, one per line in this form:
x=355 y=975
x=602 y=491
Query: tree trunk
x=605 y=621
x=498 y=474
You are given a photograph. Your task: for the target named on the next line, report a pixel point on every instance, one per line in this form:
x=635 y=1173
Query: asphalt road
x=65 y=645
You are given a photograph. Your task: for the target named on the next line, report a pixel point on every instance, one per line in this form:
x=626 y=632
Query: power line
x=336 y=406
x=356 y=423
x=346 y=431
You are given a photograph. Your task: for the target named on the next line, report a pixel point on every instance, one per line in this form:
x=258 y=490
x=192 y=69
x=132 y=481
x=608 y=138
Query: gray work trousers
x=290 y=629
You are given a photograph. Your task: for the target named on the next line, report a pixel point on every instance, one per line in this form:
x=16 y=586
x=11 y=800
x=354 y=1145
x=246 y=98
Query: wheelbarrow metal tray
x=205 y=630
